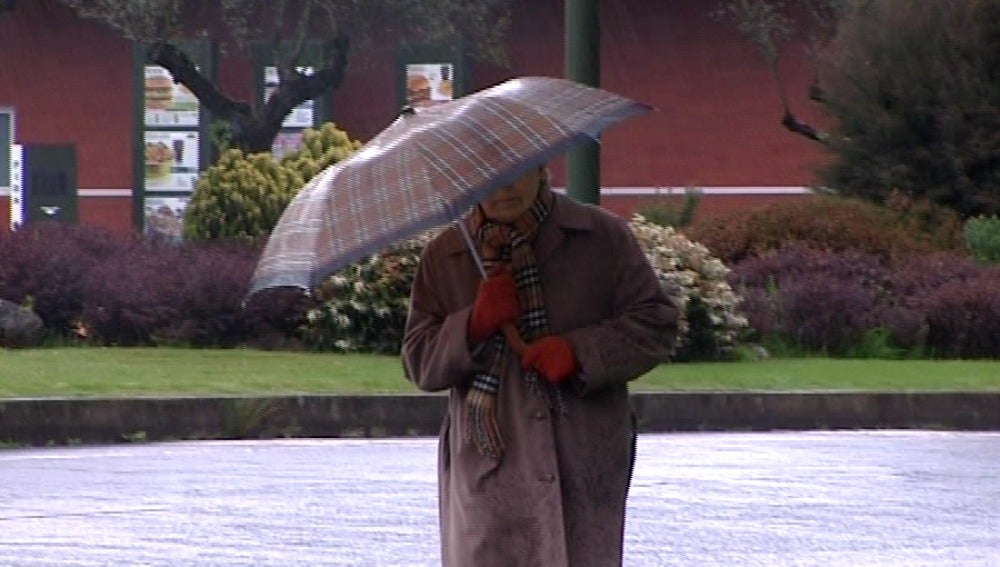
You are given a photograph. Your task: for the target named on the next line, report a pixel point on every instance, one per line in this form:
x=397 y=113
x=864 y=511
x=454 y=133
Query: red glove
x=495 y=305
x=552 y=357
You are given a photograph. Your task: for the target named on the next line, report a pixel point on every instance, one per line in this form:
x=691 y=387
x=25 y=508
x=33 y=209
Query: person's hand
x=552 y=357
x=495 y=305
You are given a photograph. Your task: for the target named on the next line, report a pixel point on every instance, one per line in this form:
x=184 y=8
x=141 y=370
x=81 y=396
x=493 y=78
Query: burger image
x=418 y=90
x=159 y=160
x=163 y=221
x=159 y=92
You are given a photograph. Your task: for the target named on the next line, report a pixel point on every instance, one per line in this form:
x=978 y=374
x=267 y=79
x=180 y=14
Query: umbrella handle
x=514 y=339
x=510 y=333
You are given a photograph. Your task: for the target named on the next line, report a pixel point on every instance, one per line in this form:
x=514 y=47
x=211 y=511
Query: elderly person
x=536 y=449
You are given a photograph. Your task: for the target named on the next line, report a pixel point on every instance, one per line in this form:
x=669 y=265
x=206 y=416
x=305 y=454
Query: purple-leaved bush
x=43 y=265
x=117 y=289
x=817 y=300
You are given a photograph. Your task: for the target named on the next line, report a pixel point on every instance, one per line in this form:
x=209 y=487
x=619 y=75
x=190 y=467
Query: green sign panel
x=6 y=139
x=50 y=183
x=171 y=147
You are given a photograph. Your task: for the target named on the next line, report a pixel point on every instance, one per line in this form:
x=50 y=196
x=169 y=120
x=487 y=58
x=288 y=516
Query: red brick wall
x=70 y=82
x=716 y=125
x=717 y=122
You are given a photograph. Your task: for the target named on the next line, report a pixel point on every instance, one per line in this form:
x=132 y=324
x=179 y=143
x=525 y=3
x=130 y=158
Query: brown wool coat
x=557 y=496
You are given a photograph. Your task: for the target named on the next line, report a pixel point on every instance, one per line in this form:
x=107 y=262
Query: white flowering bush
x=710 y=323
x=364 y=306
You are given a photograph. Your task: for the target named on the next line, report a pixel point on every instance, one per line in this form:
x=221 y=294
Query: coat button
x=547 y=478
x=539 y=415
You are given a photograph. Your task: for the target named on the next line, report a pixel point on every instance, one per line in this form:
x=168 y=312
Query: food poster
x=171 y=161
x=429 y=83
x=168 y=103
x=286 y=143
x=301 y=116
x=164 y=218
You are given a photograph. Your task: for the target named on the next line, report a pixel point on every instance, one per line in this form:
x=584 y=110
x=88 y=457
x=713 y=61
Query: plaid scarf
x=508 y=244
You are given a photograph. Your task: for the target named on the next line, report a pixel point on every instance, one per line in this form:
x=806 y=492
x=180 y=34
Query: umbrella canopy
x=428 y=168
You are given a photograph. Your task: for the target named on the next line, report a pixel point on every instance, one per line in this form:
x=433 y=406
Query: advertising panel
x=171 y=160
x=165 y=218
x=429 y=83
x=167 y=103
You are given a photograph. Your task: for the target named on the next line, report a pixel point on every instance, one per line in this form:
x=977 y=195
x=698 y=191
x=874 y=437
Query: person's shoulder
x=589 y=216
x=445 y=241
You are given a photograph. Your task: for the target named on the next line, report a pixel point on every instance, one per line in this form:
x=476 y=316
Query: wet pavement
x=818 y=498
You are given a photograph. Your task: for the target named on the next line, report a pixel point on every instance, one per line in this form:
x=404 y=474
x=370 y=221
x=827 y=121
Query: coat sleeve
x=642 y=329
x=435 y=350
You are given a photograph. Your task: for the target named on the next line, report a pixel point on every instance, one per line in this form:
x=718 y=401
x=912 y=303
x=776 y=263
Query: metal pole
x=583 y=65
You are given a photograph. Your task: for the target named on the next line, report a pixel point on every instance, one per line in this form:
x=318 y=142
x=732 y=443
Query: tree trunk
x=253 y=129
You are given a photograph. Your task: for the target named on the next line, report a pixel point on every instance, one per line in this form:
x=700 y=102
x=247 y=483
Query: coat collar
x=566 y=216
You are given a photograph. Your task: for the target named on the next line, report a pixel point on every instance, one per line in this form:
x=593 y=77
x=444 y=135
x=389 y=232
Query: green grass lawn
x=64 y=372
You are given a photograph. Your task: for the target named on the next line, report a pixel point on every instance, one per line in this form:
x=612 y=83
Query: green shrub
x=876 y=343
x=242 y=196
x=663 y=210
x=828 y=223
x=982 y=236
x=364 y=306
x=321 y=148
x=710 y=323
x=935 y=224
x=910 y=89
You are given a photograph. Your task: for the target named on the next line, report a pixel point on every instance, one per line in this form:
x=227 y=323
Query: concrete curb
x=83 y=420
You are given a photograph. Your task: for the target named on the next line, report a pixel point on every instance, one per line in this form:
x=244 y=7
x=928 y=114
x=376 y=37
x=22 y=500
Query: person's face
x=512 y=201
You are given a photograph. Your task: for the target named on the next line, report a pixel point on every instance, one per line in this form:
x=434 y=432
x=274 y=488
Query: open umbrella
x=428 y=168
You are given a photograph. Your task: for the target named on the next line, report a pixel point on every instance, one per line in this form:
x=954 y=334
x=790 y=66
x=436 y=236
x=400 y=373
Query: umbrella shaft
x=514 y=339
x=472 y=247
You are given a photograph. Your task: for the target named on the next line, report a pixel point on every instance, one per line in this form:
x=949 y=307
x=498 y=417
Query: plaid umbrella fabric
x=428 y=168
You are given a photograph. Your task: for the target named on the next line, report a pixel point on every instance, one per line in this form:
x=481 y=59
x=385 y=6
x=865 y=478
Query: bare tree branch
x=766 y=25
x=288 y=29
x=793 y=124
x=298 y=86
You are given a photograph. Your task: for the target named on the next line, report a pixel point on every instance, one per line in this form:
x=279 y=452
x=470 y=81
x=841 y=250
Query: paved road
x=820 y=498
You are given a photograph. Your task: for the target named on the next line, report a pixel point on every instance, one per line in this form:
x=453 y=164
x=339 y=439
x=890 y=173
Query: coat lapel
x=566 y=216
